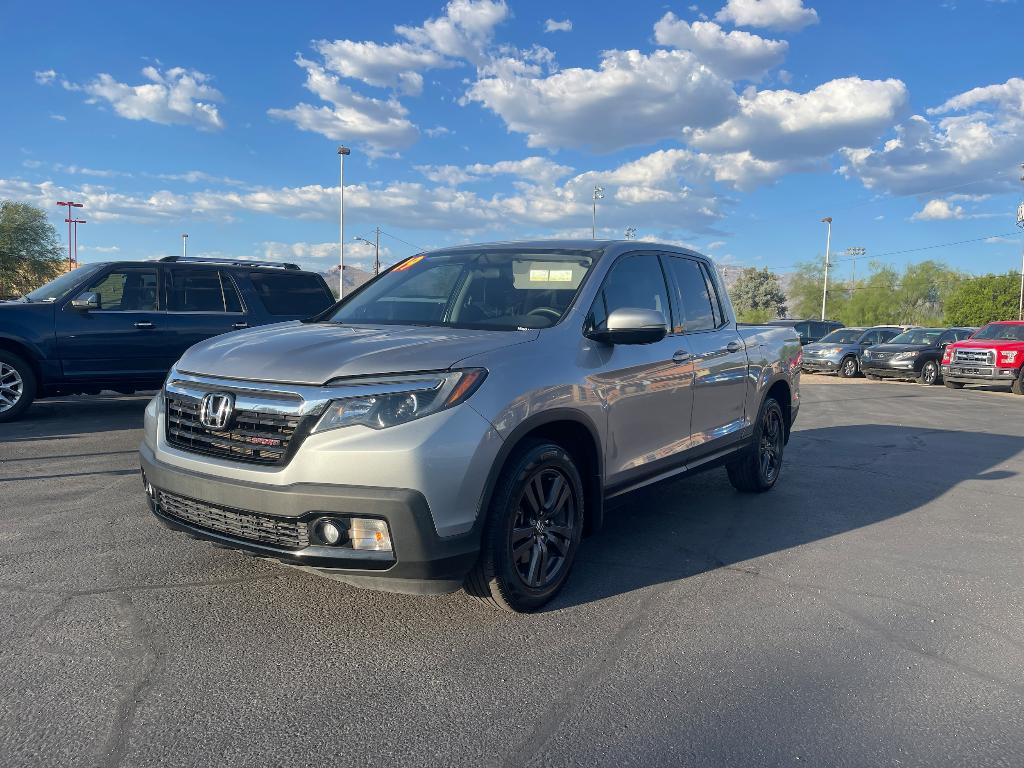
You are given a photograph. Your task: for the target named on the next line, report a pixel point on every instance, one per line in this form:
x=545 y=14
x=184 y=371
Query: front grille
x=251 y=526
x=881 y=355
x=257 y=438
x=982 y=356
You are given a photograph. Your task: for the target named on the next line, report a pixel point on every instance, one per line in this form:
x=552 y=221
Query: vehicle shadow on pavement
x=76 y=415
x=835 y=480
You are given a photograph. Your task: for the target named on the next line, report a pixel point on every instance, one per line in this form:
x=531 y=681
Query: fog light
x=367 y=533
x=330 y=532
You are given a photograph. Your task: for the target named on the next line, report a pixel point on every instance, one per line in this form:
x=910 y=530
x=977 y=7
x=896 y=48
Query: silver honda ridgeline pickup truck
x=460 y=420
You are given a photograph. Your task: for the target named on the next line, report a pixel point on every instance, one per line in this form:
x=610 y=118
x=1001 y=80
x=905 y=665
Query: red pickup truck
x=993 y=355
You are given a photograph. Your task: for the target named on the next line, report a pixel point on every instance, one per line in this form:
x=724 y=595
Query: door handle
x=681 y=356
x=239 y=325
x=732 y=346
x=144 y=324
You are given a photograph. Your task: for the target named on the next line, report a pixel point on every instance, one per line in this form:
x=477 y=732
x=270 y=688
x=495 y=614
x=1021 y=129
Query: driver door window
x=635 y=282
x=130 y=290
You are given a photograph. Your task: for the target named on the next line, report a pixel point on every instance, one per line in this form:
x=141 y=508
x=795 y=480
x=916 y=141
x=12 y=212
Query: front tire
x=17 y=386
x=1018 y=384
x=761 y=464
x=929 y=375
x=533 y=530
x=848 y=367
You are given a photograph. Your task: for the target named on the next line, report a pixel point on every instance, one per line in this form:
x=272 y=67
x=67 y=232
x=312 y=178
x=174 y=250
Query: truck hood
x=989 y=344
x=316 y=353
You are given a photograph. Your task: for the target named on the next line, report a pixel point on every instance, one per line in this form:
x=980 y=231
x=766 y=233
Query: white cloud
x=464 y=30
x=381 y=125
x=736 y=55
x=100 y=248
x=320 y=256
x=978 y=149
x=58 y=118
x=558 y=26
x=776 y=125
x=437 y=130
x=45 y=77
x=196 y=177
x=632 y=99
x=538 y=170
x=938 y=210
x=387 y=66
x=778 y=14
x=176 y=96
x=102 y=173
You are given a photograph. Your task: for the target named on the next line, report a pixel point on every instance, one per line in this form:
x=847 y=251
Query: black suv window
x=202 y=290
x=634 y=282
x=693 y=294
x=127 y=290
x=291 y=293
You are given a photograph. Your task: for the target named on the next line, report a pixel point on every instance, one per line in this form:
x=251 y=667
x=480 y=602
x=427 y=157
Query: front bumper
x=820 y=364
x=960 y=373
x=891 y=369
x=421 y=562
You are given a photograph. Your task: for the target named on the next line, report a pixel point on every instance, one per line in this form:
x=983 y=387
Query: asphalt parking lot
x=868 y=611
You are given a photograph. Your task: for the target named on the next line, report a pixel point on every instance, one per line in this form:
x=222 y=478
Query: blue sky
x=732 y=126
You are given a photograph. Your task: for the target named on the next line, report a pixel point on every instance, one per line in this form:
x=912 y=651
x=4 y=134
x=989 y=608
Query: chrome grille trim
x=250 y=526
x=974 y=356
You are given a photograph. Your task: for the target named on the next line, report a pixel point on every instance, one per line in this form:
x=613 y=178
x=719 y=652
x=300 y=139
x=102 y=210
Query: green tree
x=30 y=251
x=980 y=300
x=804 y=292
x=757 y=296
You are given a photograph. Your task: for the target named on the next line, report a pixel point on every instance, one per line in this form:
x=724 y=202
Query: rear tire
x=17 y=386
x=848 y=367
x=929 y=375
x=758 y=468
x=952 y=384
x=533 y=530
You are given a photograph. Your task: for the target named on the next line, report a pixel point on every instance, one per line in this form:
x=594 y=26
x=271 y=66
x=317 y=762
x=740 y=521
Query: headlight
x=829 y=351
x=1008 y=355
x=422 y=395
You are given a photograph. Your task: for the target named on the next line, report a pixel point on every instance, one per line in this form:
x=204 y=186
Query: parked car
x=840 y=351
x=121 y=325
x=993 y=355
x=914 y=354
x=460 y=420
x=809 y=331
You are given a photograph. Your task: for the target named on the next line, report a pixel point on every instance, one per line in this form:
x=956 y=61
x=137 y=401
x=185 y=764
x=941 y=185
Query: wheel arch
x=575 y=432
x=781 y=391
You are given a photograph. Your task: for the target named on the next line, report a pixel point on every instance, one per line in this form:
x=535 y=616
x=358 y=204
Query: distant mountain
x=354 y=277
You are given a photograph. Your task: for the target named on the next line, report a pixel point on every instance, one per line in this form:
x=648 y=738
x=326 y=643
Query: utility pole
x=828 y=241
x=184 y=245
x=598 y=195
x=376 y=250
x=342 y=152
x=1020 y=223
x=69 y=205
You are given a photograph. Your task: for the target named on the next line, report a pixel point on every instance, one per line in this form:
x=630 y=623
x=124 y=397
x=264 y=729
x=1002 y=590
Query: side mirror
x=631 y=326
x=86 y=301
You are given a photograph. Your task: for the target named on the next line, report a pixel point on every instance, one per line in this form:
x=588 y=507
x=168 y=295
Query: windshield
x=999 y=331
x=500 y=290
x=843 y=336
x=927 y=336
x=57 y=287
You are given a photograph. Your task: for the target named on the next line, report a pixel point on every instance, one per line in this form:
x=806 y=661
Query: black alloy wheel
x=533 y=530
x=929 y=374
x=759 y=467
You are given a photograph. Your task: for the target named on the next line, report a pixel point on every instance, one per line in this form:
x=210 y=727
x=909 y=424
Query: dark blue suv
x=122 y=325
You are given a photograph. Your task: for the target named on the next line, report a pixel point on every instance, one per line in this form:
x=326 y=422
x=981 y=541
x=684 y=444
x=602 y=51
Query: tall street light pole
x=76 y=222
x=598 y=195
x=342 y=152
x=184 y=245
x=69 y=205
x=1020 y=223
x=828 y=242
x=853 y=253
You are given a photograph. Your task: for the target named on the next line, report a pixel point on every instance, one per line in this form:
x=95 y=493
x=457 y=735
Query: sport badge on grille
x=215 y=410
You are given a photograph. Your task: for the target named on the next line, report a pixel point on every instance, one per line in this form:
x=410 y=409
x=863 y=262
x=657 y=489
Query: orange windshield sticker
x=408 y=263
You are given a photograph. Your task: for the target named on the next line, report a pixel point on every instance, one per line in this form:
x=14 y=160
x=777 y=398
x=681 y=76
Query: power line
x=396 y=237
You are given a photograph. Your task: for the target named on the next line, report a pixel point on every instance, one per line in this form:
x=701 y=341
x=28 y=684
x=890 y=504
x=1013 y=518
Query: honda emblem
x=215 y=410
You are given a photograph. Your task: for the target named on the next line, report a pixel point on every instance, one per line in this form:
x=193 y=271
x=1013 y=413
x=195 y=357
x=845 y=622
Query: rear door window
x=291 y=293
x=202 y=290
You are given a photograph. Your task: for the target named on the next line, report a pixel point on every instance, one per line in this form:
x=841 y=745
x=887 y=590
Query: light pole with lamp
x=342 y=152
x=70 y=206
x=828 y=242
x=184 y=245
x=598 y=195
x=376 y=250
